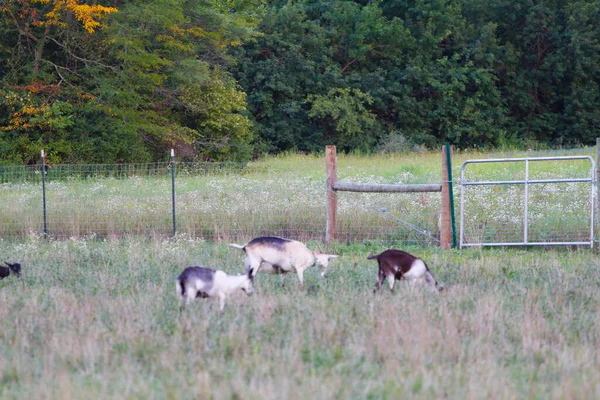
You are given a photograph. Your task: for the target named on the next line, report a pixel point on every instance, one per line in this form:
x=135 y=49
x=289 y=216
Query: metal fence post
x=43 y=172
x=451 y=193
x=172 y=164
x=447 y=225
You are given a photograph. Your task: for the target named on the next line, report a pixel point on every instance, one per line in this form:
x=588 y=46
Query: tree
x=344 y=113
x=132 y=77
x=40 y=72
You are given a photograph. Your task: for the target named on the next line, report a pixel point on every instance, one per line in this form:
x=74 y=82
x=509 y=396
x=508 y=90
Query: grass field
x=99 y=320
x=96 y=316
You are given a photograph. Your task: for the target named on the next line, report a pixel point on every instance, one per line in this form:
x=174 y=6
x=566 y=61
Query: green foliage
x=118 y=93
x=214 y=108
x=478 y=73
x=344 y=111
x=278 y=76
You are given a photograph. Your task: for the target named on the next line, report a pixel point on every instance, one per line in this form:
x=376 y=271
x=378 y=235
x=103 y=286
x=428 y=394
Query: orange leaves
x=88 y=15
x=32 y=110
x=36 y=87
x=22 y=119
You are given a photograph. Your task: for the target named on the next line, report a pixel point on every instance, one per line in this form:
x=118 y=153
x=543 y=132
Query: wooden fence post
x=445 y=217
x=331 y=164
x=597 y=205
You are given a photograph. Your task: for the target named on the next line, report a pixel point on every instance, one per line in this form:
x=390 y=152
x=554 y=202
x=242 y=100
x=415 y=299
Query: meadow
x=96 y=316
x=99 y=319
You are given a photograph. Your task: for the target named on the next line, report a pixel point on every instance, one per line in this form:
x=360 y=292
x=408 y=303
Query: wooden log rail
x=333 y=186
x=383 y=188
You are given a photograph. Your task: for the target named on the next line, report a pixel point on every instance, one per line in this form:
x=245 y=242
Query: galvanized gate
x=497 y=223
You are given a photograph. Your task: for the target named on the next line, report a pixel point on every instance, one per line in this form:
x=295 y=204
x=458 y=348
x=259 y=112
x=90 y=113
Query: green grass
x=99 y=319
x=96 y=316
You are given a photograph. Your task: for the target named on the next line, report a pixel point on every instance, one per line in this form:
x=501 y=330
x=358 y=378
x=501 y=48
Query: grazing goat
x=276 y=255
x=6 y=271
x=398 y=264
x=205 y=282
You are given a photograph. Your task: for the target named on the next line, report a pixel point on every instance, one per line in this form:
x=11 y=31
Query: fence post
x=331 y=165
x=451 y=193
x=597 y=205
x=172 y=165
x=447 y=233
x=43 y=172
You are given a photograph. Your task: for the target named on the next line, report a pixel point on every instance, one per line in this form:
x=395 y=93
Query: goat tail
x=237 y=246
x=372 y=257
x=180 y=284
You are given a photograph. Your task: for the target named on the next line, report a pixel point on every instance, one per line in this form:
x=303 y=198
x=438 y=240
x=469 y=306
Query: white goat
x=276 y=255
x=205 y=282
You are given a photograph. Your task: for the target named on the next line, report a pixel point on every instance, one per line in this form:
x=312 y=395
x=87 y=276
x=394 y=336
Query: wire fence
x=238 y=201
x=215 y=201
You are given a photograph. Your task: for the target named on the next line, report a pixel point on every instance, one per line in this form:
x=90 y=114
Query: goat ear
x=330 y=256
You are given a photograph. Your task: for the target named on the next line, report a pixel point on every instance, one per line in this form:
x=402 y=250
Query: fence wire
x=216 y=201
x=238 y=201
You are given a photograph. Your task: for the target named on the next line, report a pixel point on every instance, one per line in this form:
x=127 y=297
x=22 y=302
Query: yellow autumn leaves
x=88 y=15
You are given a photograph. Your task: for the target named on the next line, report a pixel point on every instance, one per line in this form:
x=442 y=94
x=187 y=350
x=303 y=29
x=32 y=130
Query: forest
x=119 y=81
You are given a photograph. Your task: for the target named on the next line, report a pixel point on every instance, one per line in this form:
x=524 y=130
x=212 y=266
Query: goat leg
x=380 y=278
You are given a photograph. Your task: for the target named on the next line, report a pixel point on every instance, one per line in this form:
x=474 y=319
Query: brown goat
x=398 y=264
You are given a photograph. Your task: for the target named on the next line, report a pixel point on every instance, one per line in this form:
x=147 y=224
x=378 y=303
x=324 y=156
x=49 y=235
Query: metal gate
x=545 y=212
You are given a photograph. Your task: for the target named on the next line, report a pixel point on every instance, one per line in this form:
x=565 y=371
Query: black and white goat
x=15 y=269
x=398 y=264
x=275 y=255
x=205 y=282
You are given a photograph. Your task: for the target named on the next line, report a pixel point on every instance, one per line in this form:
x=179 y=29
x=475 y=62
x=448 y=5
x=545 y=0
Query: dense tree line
x=125 y=80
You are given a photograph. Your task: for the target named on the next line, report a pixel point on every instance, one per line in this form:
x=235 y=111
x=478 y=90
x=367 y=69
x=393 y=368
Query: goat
x=205 y=282
x=6 y=271
x=398 y=264
x=277 y=255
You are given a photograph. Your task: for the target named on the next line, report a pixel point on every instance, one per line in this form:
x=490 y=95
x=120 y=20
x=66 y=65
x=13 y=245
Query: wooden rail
x=382 y=188
x=333 y=186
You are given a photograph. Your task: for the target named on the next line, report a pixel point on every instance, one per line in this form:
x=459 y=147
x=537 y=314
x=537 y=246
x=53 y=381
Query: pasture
x=98 y=317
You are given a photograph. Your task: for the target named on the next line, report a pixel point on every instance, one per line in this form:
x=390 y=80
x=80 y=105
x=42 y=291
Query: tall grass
x=97 y=319
x=96 y=316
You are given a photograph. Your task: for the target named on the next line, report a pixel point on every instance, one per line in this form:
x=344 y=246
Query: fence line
x=220 y=201
x=236 y=201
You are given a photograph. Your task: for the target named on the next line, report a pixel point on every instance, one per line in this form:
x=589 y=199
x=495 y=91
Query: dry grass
x=99 y=319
